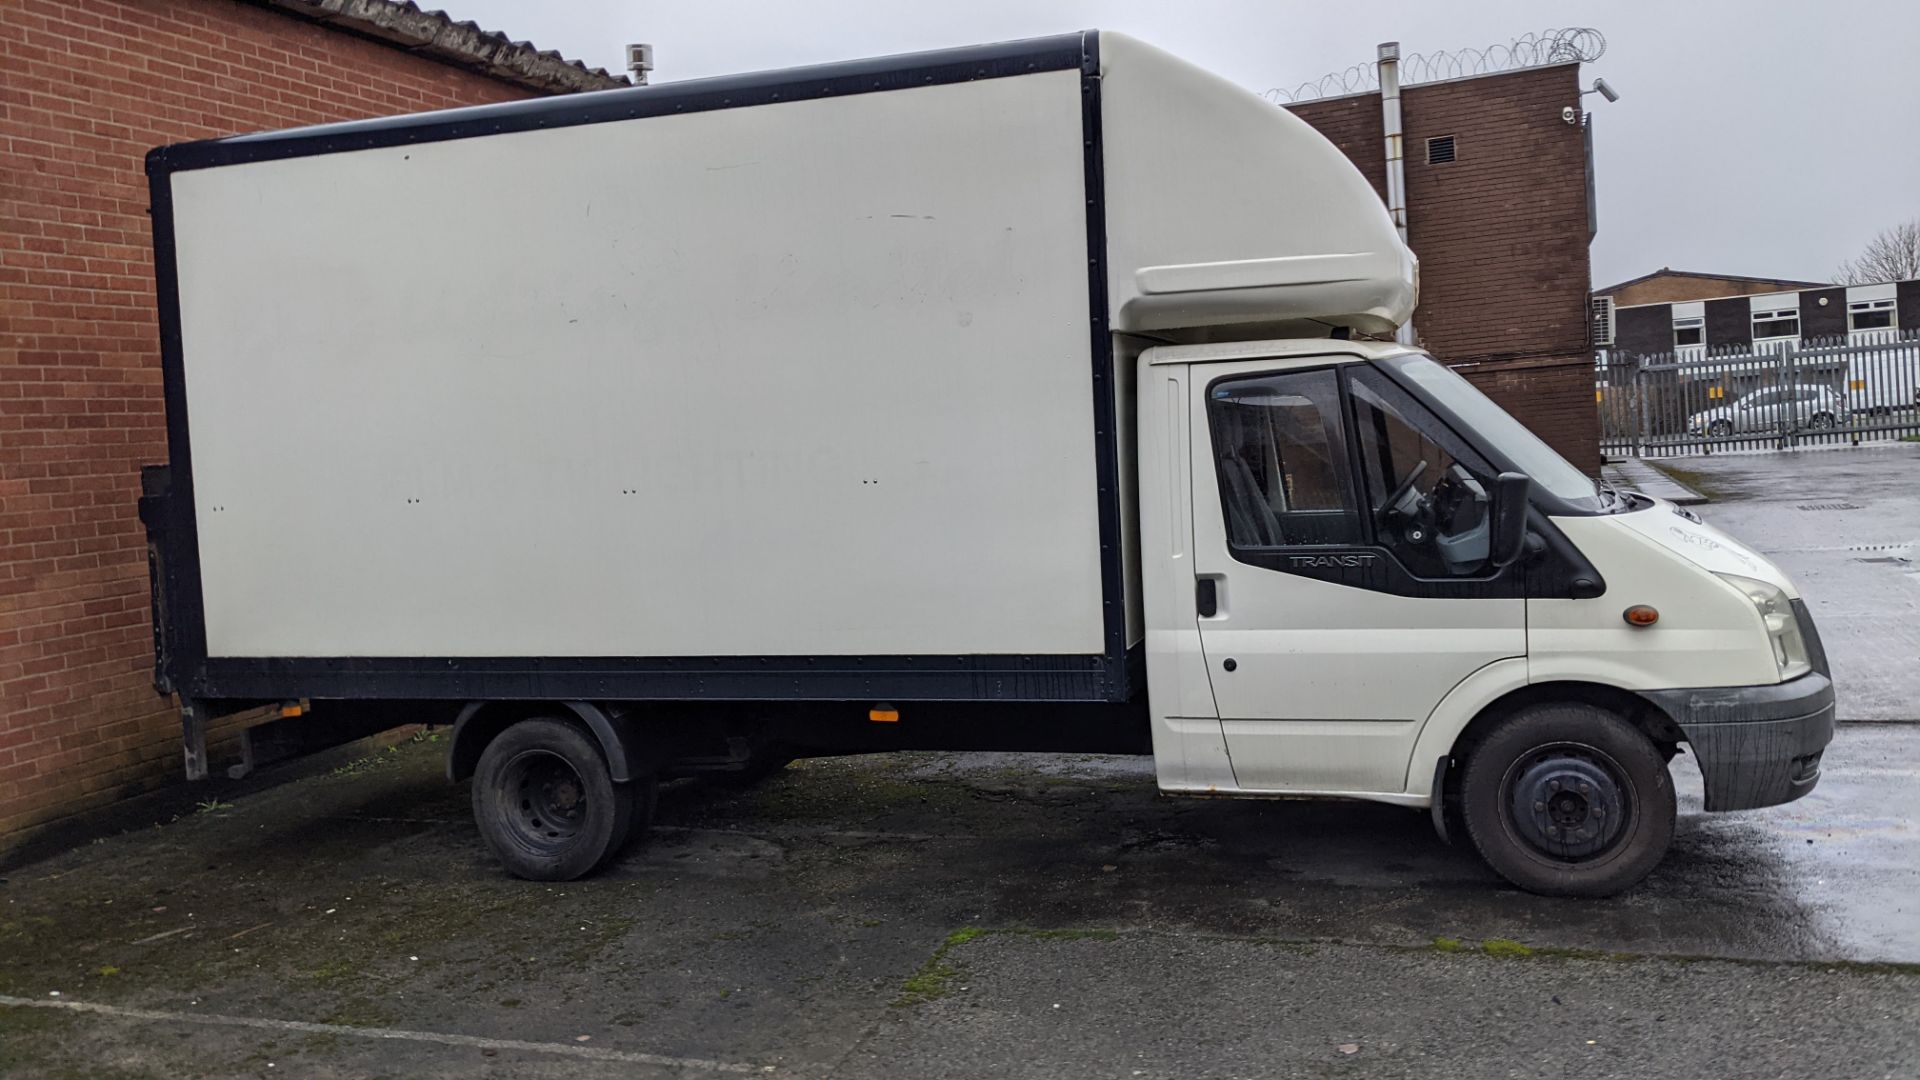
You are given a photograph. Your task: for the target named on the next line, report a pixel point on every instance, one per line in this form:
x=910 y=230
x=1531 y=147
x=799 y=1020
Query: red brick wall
x=88 y=89
x=1555 y=398
x=1501 y=233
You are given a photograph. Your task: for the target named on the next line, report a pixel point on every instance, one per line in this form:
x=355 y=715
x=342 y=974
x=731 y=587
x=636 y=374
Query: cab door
x=1341 y=553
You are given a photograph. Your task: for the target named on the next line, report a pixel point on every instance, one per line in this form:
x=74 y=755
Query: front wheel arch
x=1626 y=704
x=1500 y=688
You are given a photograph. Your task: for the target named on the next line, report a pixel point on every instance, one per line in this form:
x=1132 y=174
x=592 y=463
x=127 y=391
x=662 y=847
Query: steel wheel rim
x=1567 y=802
x=546 y=804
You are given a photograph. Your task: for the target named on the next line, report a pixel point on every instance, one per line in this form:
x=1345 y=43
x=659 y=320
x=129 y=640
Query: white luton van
x=1012 y=397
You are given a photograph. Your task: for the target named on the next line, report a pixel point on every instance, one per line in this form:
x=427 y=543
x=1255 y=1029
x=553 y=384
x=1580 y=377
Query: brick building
x=1499 y=210
x=1758 y=313
x=88 y=90
x=1669 y=286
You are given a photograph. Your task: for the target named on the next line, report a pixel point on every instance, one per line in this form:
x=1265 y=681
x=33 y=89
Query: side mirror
x=1510 y=503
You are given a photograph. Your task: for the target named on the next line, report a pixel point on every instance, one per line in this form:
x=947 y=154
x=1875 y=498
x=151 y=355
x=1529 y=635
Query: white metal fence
x=1767 y=396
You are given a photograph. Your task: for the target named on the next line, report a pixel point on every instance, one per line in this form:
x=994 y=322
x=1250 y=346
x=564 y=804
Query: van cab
x=1374 y=583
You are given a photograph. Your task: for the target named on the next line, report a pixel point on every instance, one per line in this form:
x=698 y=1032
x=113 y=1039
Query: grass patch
x=1505 y=949
x=334 y=972
x=211 y=806
x=933 y=981
x=376 y=761
x=1447 y=944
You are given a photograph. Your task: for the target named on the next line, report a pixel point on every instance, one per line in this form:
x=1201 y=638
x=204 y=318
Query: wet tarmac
x=1844 y=523
x=951 y=915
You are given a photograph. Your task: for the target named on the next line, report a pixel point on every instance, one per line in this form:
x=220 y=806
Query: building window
x=1775 y=324
x=1440 y=150
x=1603 y=320
x=1870 y=315
x=1691 y=331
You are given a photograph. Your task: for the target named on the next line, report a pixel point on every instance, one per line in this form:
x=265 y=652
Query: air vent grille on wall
x=1440 y=150
x=1603 y=320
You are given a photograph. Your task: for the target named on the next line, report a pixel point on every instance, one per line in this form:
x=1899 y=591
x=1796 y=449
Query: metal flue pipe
x=1396 y=154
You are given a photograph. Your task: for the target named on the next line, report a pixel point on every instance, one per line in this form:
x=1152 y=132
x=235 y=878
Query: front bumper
x=1758 y=745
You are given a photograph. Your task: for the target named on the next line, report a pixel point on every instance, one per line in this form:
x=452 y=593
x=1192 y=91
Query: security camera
x=1606 y=91
x=1570 y=114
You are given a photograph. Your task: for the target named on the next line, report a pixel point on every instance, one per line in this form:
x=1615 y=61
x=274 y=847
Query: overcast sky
x=1761 y=138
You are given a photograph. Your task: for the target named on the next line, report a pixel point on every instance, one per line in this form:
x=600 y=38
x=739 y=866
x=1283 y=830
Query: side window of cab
x=1427 y=492
x=1281 y=450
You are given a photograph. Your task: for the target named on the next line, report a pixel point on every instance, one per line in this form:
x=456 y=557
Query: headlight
x=1783 y=627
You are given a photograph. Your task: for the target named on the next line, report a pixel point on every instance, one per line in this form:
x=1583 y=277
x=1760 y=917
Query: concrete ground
x=1843 y=523
x=963 y=915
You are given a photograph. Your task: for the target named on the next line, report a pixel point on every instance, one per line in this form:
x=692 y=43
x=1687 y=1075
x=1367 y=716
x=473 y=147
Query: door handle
x=1206 y=597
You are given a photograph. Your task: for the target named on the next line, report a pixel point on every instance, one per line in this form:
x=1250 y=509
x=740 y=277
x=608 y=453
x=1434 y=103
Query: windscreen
x=1499 y=431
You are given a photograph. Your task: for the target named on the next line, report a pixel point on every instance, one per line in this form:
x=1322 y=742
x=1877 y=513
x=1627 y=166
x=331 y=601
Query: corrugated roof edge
x=1668 y=270
x=435 y=35
x=1001 y=59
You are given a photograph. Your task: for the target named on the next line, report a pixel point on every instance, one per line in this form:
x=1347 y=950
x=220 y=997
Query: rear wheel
x=1821 y=421
x=1720 y=429
x=1568 y=800
x=547 y=804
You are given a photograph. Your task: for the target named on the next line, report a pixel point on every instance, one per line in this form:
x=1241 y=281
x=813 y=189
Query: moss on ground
x=935 y=977
x=1504 y=948
x=1713 y=487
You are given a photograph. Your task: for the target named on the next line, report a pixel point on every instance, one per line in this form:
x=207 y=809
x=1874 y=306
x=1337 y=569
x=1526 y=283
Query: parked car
x=1812 y=407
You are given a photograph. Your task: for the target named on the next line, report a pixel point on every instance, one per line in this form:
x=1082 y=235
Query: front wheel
x=1720 y=429
x=1821 y=421
x=1568 y=800
x=547 y=804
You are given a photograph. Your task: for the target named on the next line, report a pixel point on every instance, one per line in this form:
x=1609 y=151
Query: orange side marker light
x=1640 y=615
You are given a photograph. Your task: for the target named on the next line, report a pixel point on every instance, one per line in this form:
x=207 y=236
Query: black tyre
x=1720 y=429
x=1821 y=421
x=1568 y=800
x=547 y=804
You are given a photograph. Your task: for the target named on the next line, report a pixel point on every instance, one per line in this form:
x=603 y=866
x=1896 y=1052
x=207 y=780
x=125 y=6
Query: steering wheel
x=1405 y=489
